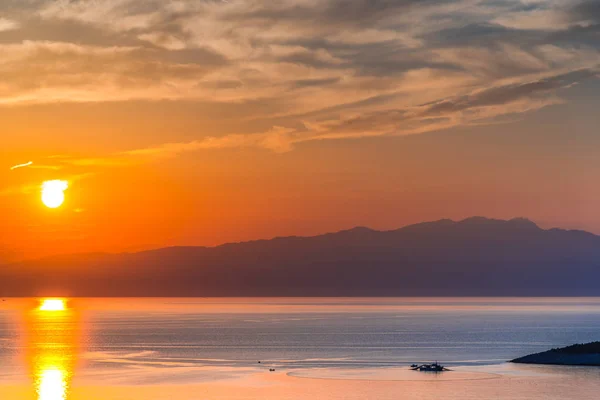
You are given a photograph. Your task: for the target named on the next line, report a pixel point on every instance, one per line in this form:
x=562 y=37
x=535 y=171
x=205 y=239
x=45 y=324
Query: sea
x=291 y=348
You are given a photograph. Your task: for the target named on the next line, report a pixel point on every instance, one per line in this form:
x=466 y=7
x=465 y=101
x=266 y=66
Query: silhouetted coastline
x=577 y=355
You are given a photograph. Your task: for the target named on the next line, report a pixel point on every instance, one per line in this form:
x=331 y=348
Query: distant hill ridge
x=473 y=257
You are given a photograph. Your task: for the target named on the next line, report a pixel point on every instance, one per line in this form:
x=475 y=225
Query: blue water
x=157 y=349
x=341 y=332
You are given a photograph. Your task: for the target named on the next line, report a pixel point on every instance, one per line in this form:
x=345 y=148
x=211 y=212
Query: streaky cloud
x=321 y=70
x=27 y=164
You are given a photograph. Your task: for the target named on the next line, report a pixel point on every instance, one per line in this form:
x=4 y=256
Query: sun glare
x=52 y=384
x=52 y=305
x=53 y=193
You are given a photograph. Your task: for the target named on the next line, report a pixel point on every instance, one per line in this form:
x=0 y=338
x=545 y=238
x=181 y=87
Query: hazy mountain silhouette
x=473 y=257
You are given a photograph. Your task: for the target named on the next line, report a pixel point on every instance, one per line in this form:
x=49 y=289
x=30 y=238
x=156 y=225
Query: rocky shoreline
x=578 y=355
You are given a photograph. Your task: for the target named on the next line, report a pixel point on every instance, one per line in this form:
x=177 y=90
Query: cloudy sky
x=209 y=121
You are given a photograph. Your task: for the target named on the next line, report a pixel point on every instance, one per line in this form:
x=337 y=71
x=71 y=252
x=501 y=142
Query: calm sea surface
x=320 y=348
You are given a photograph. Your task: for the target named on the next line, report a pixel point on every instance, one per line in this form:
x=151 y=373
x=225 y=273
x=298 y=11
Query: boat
x=434 y=367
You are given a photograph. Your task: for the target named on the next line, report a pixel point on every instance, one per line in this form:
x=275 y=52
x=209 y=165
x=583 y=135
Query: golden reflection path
x=52 y=334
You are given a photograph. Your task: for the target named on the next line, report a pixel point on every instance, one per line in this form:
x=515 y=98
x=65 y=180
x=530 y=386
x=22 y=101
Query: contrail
x=21 y=165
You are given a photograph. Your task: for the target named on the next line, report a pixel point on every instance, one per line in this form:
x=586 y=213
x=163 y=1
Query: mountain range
x=473 y=257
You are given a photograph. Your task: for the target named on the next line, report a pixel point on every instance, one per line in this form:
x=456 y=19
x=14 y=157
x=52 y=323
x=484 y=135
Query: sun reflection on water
x=52 y=334
x=53 y=305
x=52 y=384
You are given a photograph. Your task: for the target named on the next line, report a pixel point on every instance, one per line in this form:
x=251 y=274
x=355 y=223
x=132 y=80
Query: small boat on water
x=435 y=367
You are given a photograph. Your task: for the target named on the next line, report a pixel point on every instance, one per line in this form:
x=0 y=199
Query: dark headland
x=578 y=354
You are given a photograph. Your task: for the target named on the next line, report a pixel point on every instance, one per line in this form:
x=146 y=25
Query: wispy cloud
x=278 y=139
x=27 y=164
x=8 y=25
x=326 y=69
x=479 y=107
x=31 y=165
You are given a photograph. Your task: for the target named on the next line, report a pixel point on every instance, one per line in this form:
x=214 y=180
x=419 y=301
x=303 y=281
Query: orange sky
x=204 y=122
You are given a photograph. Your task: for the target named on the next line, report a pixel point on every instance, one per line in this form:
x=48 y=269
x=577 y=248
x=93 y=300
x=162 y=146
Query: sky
x=200 y=122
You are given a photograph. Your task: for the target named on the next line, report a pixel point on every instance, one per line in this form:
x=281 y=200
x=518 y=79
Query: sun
x=53 y=193
x=52 y=305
